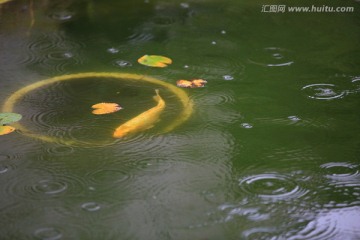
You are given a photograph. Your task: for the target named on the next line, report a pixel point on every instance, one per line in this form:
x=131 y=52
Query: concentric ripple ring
x=181 y=94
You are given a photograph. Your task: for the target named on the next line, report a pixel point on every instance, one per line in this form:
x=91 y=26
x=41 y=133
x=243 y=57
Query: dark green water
x=270 y=152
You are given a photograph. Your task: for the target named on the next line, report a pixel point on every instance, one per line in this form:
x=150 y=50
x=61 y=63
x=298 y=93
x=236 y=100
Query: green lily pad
x=6 y=118
x=154 y=61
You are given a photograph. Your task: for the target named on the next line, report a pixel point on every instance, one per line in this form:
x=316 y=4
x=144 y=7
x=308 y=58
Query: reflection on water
x=270 y=152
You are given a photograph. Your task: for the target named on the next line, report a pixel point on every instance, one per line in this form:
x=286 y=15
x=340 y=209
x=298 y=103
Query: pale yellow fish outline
x=184 y=115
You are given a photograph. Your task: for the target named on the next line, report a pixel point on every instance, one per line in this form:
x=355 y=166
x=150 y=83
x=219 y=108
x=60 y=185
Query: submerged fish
x=142 y=121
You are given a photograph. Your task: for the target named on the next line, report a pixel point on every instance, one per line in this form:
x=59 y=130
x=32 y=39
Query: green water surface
x=271 y=150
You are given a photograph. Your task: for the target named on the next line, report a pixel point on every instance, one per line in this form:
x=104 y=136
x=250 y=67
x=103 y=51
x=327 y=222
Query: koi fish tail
x=157 y=97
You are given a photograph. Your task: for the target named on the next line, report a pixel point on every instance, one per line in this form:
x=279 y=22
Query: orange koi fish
x=142 y=121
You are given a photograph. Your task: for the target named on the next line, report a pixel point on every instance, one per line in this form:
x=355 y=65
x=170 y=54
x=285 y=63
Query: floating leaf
x=6 y=130
x=6 y=118
x=191 y=84
x=154 y=61
x=199 y=82
x=105 y=108
x=184 y=83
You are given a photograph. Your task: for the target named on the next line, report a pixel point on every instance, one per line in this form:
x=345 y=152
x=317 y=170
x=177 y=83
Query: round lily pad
x=154 y=61
x=6 y=118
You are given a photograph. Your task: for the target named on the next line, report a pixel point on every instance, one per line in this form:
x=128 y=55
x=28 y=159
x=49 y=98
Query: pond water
x=270 y=151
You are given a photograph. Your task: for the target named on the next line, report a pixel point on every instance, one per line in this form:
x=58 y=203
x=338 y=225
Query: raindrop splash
x=272 y=57
x=271 y=186
x=323 y=91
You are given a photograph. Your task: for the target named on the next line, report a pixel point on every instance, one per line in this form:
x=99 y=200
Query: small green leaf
x=6 y=118
x=154 y=61
x=6 y=130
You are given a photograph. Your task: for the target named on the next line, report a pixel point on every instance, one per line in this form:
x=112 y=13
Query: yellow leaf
x=191 y=84
x=199 y=82
x=105 y=108
x=184 y=83
x=6 y=130
x=154 y=61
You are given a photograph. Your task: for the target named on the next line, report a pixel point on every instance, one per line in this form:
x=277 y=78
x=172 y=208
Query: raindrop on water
x=48 y=233
x=272 y=186
x=112 y=50
x=91 y=206
x=341 y=170
x=122 y=63
x=323 y=91
x=3 y=169
x=294 y=118
x=228 y=77
x=184 y=5
x=62 y=15
x=246 y=125
x=50 y=187
x=272 y=57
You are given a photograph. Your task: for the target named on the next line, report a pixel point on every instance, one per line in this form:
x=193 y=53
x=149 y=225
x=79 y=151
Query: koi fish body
x=142 y=121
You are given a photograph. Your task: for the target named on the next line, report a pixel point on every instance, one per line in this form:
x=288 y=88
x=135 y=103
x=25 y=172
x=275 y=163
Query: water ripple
x=107 y=177
x=52 y=51
x=60 y=150
x=64 y=229
x=121 y=63
x=219 y=116
x=214 y=98
x=215 y=68
x=260 y=233
x=323 y=91
x=295 y=120
x=7 y=163
x=342 y=173
x=91 y=206
x=40 y=188
x=164 y=20
x=142 y=144
x=139 y=38
x=48 y=233
x=49 y=187
x=355 y=85
x=272 y=57
x=334 y=224
x=272 y=186
x=61 y=15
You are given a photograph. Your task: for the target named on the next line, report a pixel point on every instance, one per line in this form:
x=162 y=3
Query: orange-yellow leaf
x=105 y=108
x=191 y=84
x=154 y=61
x=6 y=130
x=199 y=82
x=184 y=83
